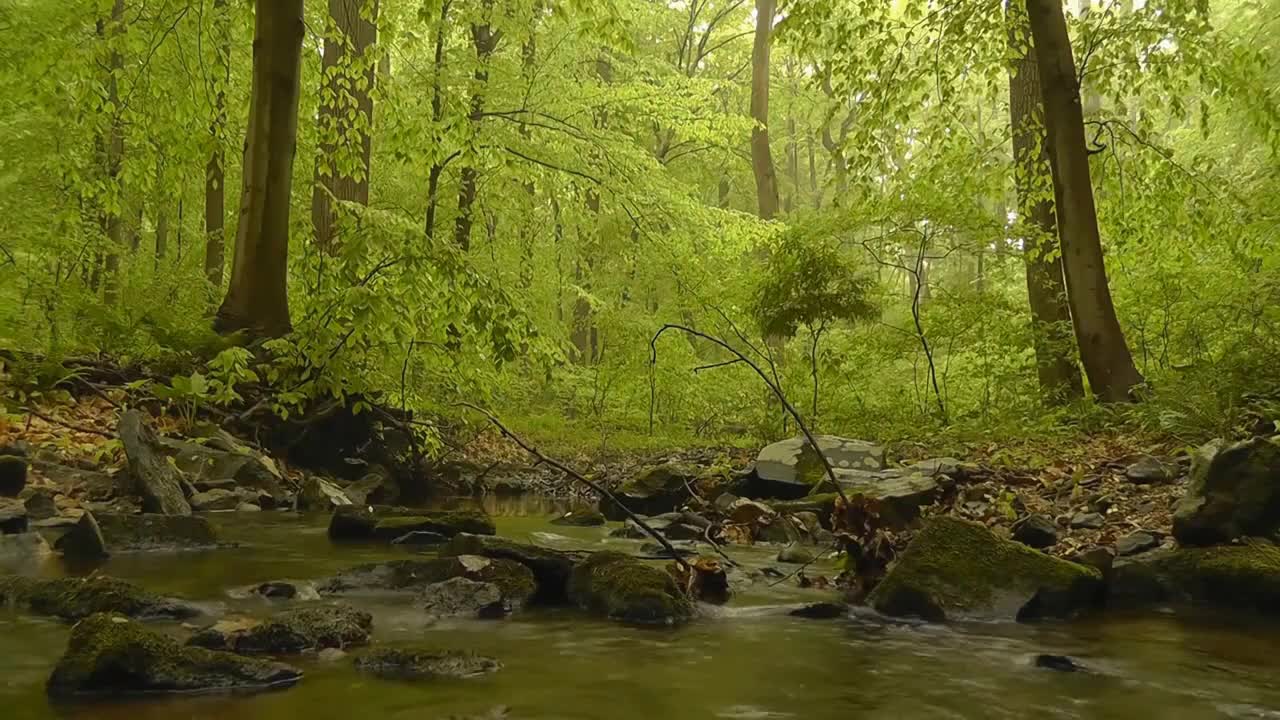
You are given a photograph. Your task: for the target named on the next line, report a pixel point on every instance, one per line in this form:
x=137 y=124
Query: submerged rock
x=149 y=472
x=795 y=555
x=110 y=655
x=622 y=588
x=655 y=490
x=514 y=579
x=580 y=518
x=1243 y=576
x=290 y=632
x=354 y=522
x=789 y=469
x=1234 y=491
x=1060 y=663
x=116 y=533
x=425 y=664
x=75 y=598
x=460 y=597
x=958 y=568
x=550 y=568
x=820 y=611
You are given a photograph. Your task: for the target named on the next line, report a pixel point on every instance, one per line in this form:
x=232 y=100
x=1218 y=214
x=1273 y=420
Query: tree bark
x=485 y=40
x=437 y=114
x=346 y=110
x=257 y=298
x=1107 y=361
x=112 y=149
x=215 y=194
x=1056 y=367
x=761 y=156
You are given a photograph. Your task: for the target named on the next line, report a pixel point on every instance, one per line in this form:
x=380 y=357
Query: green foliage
x=808 y=282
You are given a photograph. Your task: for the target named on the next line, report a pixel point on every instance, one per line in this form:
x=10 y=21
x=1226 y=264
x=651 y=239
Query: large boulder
x=424 y=664
x=623 y=588
x=1245 y=576
x=550 y=568
x=354 y=522
x=514 y=579
x=290 y=632
x=655 y=490
x=1234 y=491
x=789 y=469
x=224 y=460
x=74 y=598
x=119 y=532
x=149 y=473
x=13 y=474
x=110 y=655
x=954 y=568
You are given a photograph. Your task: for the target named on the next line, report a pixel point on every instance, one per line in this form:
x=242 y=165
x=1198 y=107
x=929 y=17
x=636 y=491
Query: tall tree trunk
x=346 y=110
x=761 y=157
x=1056 y=367
x=215 y=192
x=485 y=39
x=112 y=149
x=528 y=61
x=437 y=114
x=258 y=298
x=1107 y=361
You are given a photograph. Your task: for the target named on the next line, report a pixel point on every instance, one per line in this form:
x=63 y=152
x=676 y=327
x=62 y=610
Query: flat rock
x=1148 y=470
x=211 y=500
x=109 y=655
x=789 y=469
x=289 y=632
x=134 y=533
x=1088 y=521
x=425 y=664
x=1135 y=543
x=74 y=598
x=1234 y=491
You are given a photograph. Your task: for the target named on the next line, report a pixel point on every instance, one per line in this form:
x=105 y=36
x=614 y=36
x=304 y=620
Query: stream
x=747 y=660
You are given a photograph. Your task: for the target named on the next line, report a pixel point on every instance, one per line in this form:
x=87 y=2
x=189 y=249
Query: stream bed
x=747 y=660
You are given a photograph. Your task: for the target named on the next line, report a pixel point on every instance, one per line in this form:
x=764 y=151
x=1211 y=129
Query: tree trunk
x=761 y=157
x=437 y=114
x=257 y=298
x=112 y=148
x=346 y=111
x=215 y=194
x=1056 y=366
x=1107 y=361
x=485 y=40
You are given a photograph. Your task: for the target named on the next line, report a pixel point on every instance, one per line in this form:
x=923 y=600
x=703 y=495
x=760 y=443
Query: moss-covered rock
x=580 y=518
x=424 y=664
x=1245 y=576
x=131 y=533
x=460 y=597
x=958 y=568
x=111 y=655
x=290 y=632
x=353 y=522
x=1234 y=491
x=622 y=588
x=550 y=568
x=655 y=490
x=75 y=598
x=514 y=579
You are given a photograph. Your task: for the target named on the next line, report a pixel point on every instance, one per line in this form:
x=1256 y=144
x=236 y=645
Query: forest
x=704 y=314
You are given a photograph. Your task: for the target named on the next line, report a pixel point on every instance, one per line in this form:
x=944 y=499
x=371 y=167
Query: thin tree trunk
x=257 y=298
x=346 y=109
x=1107 y=361
x=437 y=114
x=112 y=147
x=485 y=39
x=1056 y=367
x=761 y=156
x=528 y=60
x=215 y=194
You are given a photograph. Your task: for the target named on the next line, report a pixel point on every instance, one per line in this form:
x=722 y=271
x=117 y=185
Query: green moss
x=514 y=579
x=445 y=523
x=550 y=568
x=622 y=588
x=1236 y=576
x=292 y=631
x=955 y=566
x=75 y=598
x=110 y=655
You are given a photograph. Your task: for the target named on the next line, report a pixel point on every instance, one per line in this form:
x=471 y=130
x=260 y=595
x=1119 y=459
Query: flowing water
x=747 y=661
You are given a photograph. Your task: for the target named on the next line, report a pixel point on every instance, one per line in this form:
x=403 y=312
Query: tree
x=215 y=191
x=1107 y=361
x=110 y=147
x=1056 y=367
x=257 y=298
x=485 y=39
x=347 y=75
x=761 y=156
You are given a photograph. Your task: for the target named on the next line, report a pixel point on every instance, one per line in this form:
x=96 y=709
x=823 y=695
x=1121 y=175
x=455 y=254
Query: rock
x=681 y=531
x=13 y=475
x=225 y=460
x=795 y=555
x=821 y=504
x=955 y=568
x=580 y=518
x=41 y=505
x=110 y=655
x=84 y=541
x=901 y=492
x=551 y=568
x=631 y=531
x=724 y=501
x=1244 y=577
x=655 y=551
x=277 y=590
x=516 y=581
x=13 y=517
x=74 y=598
x=353 y=522
x=375 y=487
x=947 y=466
x=1060 y=663
x=318 y=494
x=820 y=611
x=622 y=588
x=131 y=533
x=1088 y=521
x=789 y=469
x=658 y=489
x=748 y=512
x=150 y=473
x=207 y=485
x=1148 y=470
x=248 y=507
x=290 y=632
x=396 y=664
x=1099 y=557
x=1234 y=491
x=23 y=547
x=421 y=537
x=1135 y=543
x=1036 y=531
x=777 y=529
x=462 y=597
x=211 y=500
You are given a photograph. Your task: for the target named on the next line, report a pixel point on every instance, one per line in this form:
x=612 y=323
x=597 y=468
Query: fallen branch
x=68 y=425
x=666 y=544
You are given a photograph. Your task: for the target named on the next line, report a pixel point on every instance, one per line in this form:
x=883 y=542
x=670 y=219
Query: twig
x=70 y=426
x=582 y=479
x=801 y=569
